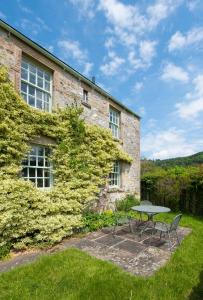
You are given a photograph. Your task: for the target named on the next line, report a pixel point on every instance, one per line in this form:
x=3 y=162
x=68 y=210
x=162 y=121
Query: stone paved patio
x=139 y=256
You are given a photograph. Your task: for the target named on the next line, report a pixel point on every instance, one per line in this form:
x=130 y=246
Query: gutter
x=62 y=64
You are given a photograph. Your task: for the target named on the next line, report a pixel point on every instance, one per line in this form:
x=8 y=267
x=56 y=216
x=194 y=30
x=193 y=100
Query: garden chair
x=168 y=229
x=121 y=220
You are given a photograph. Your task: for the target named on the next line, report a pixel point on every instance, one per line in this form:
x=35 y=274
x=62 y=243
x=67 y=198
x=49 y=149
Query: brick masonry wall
x=66 y=90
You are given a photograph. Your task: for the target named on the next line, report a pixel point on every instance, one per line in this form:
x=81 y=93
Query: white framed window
x=85 y=96
x=115 y=175
x=36 y=85
x=114 y=122
x=37 y=167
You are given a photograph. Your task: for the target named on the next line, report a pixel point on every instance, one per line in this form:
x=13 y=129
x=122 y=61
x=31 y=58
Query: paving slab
x=130 y=246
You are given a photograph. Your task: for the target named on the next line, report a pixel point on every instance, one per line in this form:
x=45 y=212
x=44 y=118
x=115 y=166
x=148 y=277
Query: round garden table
x=150 y=211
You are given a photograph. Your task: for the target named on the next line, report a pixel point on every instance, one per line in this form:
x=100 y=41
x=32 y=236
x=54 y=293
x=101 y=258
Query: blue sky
x=147 y=54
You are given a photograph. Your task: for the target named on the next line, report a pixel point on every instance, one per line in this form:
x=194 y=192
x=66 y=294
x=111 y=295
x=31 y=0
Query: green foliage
x=95 y=221
x=4 y=250
x=169 y=186
x=126 y=203
x=82 y=159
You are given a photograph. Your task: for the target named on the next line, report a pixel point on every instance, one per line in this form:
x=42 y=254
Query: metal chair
x=168 y=229
x=121 y=220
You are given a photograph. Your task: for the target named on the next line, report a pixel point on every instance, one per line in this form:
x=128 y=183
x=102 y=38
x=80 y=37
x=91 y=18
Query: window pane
x=24 y=74
x=39 y=172
x=47 y=151
x=46 y=106
x=33 y=151
x=32 y=78
x=47 y=182
x=32 y=69
x=46 y=97
x=24 y=87
x=24 y=172
x=33 y=180
x=40 y=161
x=40 y=151
x=32 y=161
x=24 y=96
x=47 y=76
x=39 y=94
x=31 y=90
x=39 y=73
x=39 y=182
x=40 y=82
x=25 y=162
x=31 y=172
x=32 y=101
x=39 y=104
x=47 y=85
x=24 y=65
x=46 y=173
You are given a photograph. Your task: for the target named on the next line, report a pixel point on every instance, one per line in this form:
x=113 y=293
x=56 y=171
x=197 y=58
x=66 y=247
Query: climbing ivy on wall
x=82 y=159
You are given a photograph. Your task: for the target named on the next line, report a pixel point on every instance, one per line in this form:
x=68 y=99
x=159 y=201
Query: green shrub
x=126 y=203
x=95 y=221
x=4 y=250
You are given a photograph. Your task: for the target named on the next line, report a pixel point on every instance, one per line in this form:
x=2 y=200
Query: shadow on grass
x=197 y=291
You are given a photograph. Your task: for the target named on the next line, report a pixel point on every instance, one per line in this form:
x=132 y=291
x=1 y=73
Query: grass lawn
x=73 y=274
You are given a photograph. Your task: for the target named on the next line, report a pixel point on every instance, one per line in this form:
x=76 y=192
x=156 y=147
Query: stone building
x=46 y=82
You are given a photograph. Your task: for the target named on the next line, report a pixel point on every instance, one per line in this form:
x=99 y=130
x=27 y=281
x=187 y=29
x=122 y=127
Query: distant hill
x=181 y=161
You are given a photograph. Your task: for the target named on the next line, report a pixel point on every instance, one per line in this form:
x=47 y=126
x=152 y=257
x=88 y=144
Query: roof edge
x=61 y=63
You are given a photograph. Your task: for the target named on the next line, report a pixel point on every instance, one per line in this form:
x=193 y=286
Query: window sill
x=86 y=104
x=115 y=189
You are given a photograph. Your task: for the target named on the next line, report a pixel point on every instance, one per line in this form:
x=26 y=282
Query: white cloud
x=2 y=15
x=192 y=5
x=24 y=8
x=160 y=10
x=192 y=105
x=135 y=61
x=173 y=72
x=129 y=24
x=109 y=43
x=86 y=7
x=72 y=48
x=142 y=111
x=113 y=66
x=35 y=26
x=151 y=123
x=147 y=51
x=179 y=40
x=87 y=68
x=167 y=143
x=138 y=86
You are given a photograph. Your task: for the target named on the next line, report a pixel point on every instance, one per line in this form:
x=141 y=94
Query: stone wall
x=67 y=89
